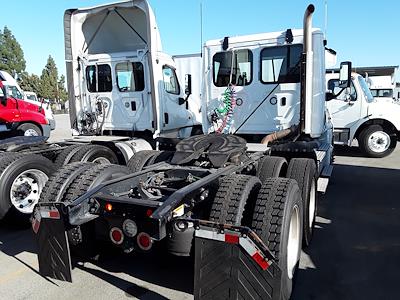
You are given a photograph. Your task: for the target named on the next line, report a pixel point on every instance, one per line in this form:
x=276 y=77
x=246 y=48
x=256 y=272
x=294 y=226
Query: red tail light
x=144 y=241
x=116 y=236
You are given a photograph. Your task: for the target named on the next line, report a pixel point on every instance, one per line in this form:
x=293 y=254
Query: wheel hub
x=379 y=141
x=30 y=132
x=26 y=188
x=312 y=205
x=293 y=245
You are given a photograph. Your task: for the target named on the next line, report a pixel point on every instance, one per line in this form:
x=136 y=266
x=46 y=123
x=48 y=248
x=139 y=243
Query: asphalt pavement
x=355 y=253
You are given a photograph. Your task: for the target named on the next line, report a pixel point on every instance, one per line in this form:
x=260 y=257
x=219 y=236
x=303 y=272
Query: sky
x=364 y=32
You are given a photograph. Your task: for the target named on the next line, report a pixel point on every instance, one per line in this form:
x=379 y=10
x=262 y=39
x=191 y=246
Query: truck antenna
x=201 y=28
x=326 y=20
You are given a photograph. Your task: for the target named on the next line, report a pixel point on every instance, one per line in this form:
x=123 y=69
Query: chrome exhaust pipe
x=308 y=80
x=307 y=28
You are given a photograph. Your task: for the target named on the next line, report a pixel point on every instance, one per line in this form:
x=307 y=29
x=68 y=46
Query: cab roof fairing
x=92 y=31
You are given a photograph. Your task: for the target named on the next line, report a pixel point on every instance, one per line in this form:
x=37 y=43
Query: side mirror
x=345 y=74
x=181 y=101
x=329 y=96
x=188 y=85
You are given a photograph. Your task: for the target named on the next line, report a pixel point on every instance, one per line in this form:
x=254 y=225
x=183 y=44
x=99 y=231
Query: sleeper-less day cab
x=356 y=114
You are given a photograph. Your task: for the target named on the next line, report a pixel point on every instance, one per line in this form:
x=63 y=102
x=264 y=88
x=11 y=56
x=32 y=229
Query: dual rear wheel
x=280 y=210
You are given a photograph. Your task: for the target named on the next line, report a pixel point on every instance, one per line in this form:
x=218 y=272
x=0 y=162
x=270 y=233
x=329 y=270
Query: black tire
x=271 y=167
x=304 y=171
x=95 y=153
x=59 y=183
x=12 y=165
x=23 y=128
x=276 y=201
x=65 y=156
x=88 y=179
x=368 y=133
x=234 y=192
x=142 y=159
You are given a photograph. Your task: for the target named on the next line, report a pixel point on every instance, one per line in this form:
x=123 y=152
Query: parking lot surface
x=355 y=253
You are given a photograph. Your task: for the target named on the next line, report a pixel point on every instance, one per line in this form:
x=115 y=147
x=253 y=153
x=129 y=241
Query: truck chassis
x=171 y=200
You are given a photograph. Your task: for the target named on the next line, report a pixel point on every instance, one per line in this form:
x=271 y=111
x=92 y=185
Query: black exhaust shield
x=49 y=227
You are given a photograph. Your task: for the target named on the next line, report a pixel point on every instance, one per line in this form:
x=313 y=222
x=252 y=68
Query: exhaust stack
x=307 y=85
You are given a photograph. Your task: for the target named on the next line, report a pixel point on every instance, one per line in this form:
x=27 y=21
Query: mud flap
x=231 y=265
x=48 y=223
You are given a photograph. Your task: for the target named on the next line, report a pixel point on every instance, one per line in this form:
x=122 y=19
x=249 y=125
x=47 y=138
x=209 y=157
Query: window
x=281 y=64
x=365 y=88
x=32 y=97
x=130 y=77
x=14 y=92
x=382 y=93
x=333 y=85
x=99 y=78
x=242 y=69
x=171 y=84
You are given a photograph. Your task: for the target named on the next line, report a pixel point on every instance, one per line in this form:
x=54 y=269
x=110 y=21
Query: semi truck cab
x=356 y=114
x=125 y=88
x=18 y=117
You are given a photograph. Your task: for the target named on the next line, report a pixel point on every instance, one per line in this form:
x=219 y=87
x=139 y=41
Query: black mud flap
x=48 y=223
x=231 y=265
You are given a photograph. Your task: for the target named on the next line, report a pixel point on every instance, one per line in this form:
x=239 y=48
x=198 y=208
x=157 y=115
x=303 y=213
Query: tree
x=11 y=54
x=61 y=89
x=49 y=80
x=50 y=86
x=29 y=82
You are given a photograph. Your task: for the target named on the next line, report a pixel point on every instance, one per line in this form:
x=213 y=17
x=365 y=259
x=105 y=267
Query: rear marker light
x=116 y=236
x=108 y=207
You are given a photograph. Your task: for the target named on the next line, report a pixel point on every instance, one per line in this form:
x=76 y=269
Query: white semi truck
x=356 y=114
x=124 y=96
x=248 y=198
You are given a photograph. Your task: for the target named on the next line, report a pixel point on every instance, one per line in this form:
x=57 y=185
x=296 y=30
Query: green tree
x=62 y=92
x=51 y=87
x=11 y=54
x=49 y=80
x=30 y=82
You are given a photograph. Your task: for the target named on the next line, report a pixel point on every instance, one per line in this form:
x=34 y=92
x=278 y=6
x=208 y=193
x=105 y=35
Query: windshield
x=31 y=97
x=382 y=93
x=365 y=89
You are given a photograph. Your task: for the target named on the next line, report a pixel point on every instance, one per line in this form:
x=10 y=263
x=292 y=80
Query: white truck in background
x=45 y=104
x=356 y=114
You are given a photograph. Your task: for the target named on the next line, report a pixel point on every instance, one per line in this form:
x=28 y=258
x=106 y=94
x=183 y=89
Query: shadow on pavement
x=348 y=151
x=356 y=253
x=156 y=267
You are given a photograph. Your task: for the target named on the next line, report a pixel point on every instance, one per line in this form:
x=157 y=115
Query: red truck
x=18 y=117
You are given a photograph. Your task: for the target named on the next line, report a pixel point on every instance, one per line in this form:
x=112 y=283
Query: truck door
x=345 y=110
x=131 y=94
x=176 y=115
x=270 y=76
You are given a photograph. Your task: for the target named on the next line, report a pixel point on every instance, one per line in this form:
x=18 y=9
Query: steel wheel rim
x=31 y=132
x=293 y=245
x=26 y=188
x=379 y=141
x=102 y=161
x=312 y=205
